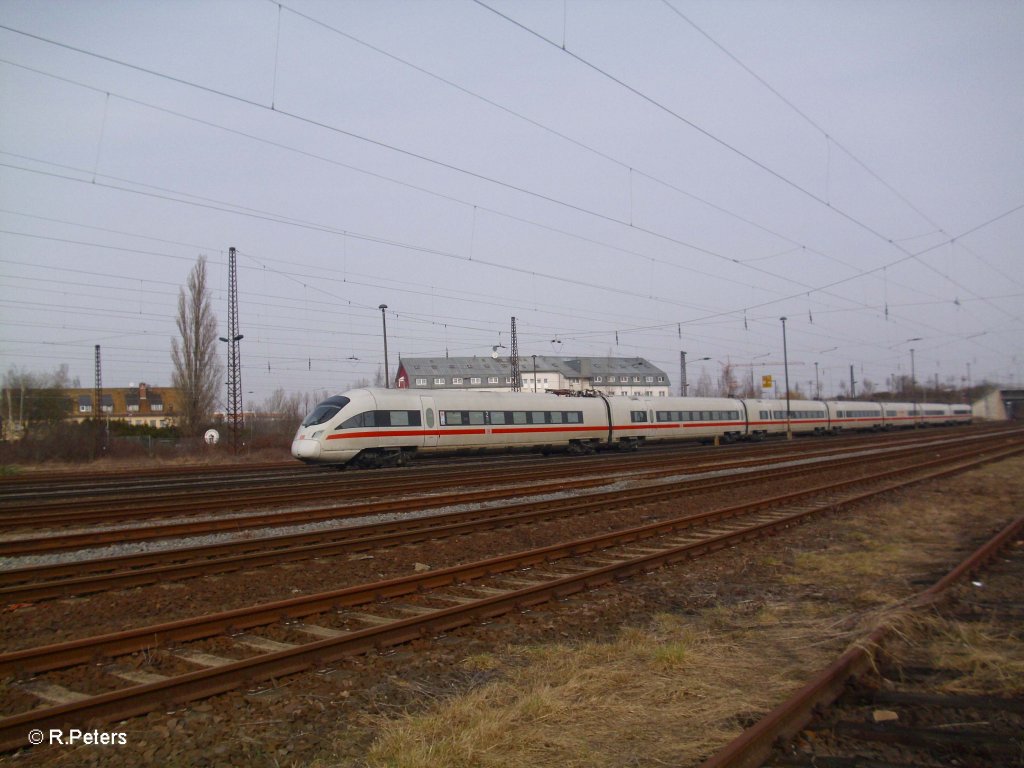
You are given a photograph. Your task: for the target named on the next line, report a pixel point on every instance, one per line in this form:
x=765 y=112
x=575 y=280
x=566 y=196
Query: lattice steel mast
x=234 y=405
x=517 y=379
x=97 y=397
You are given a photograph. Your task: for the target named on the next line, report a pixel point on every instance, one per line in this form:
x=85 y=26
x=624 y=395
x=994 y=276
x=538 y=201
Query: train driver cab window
x=325 y=411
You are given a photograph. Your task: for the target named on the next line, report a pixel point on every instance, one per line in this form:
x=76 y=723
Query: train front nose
x=305 y=449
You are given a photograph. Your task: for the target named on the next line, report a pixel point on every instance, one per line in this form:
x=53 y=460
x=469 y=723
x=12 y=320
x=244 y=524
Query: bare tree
x=727 y=384
x=197 y=370
x=36 y=400
x=281 y=406
x=703 y=387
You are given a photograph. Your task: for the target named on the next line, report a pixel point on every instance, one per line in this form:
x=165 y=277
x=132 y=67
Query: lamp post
x=684 y=388
x=785 y=366
x=384 y=322
x=913 y=379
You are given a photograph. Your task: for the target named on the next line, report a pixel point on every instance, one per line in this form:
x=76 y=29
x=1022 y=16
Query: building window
x=439 y=380
x=492 y=379
x=421 y=382
x=649 y=379
x=156 y=407
x=457 y=381
x=636 y=379
x=475 y=380
x=598 y=379
x=85 y=409
x=623 y=380
x=133 y=409
x=508 y=379
x=661 y=379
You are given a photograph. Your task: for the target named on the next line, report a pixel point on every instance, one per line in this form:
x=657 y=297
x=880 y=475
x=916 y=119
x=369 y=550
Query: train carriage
x=768 y=417
x=680 y=418
x=844 y=414
x=375 y=427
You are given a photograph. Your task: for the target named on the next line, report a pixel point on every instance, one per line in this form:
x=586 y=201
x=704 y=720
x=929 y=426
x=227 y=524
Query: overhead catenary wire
x=865 y=305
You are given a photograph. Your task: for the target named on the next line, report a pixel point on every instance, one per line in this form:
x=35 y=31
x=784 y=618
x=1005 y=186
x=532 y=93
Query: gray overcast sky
x=625 y=177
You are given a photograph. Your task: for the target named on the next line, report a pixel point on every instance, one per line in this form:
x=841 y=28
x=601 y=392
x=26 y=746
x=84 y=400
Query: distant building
x=620 y=376
x=141 y=405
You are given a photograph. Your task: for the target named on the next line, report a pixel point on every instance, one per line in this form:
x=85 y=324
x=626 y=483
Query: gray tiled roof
x=569 y=367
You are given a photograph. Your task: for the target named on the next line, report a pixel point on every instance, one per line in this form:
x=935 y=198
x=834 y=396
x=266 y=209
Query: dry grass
x=988 y=660
x=677 y=690
x=648 y=697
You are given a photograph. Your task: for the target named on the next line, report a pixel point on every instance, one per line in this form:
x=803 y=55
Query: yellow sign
x=766 y=382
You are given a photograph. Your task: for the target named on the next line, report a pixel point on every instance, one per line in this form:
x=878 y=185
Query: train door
x=429 y=422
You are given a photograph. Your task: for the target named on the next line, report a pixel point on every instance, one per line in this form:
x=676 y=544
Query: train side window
x=637 y=416
x=519 y=417
x=476 y=417
x=663 y=416
x=402 y=418
x=538 y=417
x=354 y=422
x=574 y=417
x=497 y=417
x=451 y=418
x=556 y=417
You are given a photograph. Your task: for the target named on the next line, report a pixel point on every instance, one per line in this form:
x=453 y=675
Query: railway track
x=311 y=631
x=640 y=469
x=88 y=576
x=867 y=710
x=193 y=494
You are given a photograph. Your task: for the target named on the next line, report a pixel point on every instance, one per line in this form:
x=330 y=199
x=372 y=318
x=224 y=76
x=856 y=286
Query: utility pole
x=785 y=363
x=517 y=378
x=683 y=388
x=853 y=385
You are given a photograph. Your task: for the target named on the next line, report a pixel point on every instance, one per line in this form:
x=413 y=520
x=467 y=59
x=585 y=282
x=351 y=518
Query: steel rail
x=45 y=582
x=50 y=543
x=752 y=747
x=123 y=505
x=142 y=698
x=72 y=652
x=232 y=555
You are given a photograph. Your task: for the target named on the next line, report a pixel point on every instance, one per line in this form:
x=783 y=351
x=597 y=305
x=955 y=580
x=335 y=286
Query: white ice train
x=385 y=427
